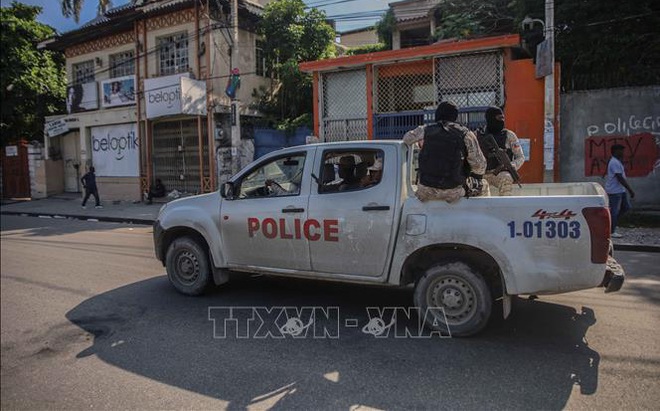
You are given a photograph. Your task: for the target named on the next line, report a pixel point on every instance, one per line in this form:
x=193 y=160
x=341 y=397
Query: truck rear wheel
x=453 y=299
x=188 y=267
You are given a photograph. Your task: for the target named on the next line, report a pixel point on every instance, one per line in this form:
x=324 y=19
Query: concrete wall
x=119 y=188
x=592 y=121
x=46 y=176
x=359 y=38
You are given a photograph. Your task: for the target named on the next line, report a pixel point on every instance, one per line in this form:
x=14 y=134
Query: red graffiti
x=641 y=154
x=311 y=229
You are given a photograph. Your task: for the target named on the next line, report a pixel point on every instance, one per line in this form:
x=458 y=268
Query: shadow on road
x=533 y=360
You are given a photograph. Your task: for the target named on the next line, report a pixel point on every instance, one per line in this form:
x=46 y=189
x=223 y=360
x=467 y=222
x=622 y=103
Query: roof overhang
x=443 y=47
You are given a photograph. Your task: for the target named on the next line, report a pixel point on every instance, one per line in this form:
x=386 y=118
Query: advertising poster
x=118 y=91
x=116 y=150
x=82 y=97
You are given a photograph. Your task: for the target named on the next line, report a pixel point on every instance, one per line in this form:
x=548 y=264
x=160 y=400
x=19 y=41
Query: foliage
x=73 y=8
x=32 y=81
x=385 y=27
x=292 y=35
x=603 y=43
x=367 y=48
x=468 y=18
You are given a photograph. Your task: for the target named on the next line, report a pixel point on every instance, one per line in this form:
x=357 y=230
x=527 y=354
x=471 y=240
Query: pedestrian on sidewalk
x=89 y=184
x=616 y=186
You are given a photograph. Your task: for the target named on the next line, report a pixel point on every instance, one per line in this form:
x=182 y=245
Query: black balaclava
x=494 y=125
x=446 y=111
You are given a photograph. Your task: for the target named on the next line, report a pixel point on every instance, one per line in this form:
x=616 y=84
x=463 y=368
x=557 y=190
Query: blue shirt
x=612 y=184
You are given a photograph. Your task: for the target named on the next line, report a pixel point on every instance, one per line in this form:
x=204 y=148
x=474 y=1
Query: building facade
x=385 y=94
x=147 y=96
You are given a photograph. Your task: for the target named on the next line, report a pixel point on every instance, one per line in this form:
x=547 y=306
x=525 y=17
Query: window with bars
x=83 y=72
x=173 y=53
x=122 y=64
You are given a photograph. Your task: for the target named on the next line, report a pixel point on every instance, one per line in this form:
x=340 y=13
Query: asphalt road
x=89 y=320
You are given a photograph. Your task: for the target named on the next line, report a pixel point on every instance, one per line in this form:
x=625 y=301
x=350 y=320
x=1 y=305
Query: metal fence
x=176 y=155
x=344 y=105
x=405 y=95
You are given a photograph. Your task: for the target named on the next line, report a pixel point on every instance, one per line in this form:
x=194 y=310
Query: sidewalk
x=68 y=206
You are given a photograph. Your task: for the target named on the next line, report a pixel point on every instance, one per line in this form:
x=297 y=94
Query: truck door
x=261 y=226
x=355 y=197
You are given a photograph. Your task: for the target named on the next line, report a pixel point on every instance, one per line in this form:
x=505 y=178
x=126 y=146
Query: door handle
x=375 y=208
x=293 y=210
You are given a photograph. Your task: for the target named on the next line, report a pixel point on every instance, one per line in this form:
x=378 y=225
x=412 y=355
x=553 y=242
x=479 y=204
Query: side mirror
x=227 y=190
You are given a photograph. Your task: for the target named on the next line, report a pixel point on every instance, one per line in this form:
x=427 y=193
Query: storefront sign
x=82 y=97
x=118 y=91
x=163 y=95
x=115 y=150
x=174 y=95
x=56 y=127
x=193 y=94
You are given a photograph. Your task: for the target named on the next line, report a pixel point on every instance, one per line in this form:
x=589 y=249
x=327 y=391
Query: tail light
x=598 y=219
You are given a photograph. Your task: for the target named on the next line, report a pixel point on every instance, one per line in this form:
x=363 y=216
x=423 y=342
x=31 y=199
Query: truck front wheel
x=188 y=267
x=453 y=299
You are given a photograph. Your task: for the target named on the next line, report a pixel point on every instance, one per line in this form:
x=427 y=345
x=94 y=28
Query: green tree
x=292 y=35
x=385 y=28
x=73 y=7
x=32 y=81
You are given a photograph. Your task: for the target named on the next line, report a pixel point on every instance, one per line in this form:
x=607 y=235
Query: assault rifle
x=493 y=149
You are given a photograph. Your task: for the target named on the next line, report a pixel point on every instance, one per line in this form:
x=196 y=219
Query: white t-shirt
x=612 y=184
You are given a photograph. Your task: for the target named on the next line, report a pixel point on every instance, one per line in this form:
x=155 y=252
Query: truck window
x=279 y=177
x=350 y=170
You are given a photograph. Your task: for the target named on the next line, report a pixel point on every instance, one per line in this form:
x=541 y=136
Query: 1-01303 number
x=545 y=229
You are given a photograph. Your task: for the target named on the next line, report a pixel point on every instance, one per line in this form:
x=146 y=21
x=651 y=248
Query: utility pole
x=235 y=103
x=549 y=100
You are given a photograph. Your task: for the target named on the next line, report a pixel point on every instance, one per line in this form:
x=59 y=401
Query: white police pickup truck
x=326 y=211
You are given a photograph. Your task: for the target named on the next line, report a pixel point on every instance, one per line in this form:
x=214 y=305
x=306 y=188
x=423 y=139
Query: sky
x=52 y=12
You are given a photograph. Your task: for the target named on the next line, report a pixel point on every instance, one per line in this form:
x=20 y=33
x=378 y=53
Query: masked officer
x=450 y=154
x=506 y=140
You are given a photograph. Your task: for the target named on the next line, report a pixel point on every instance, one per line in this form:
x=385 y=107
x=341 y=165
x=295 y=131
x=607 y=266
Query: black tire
x=460 y=292
x=188 y=267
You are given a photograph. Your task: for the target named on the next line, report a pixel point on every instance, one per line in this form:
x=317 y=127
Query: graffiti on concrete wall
x=639 y=135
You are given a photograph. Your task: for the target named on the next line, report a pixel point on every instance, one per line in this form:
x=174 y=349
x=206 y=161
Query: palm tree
x=73 y=7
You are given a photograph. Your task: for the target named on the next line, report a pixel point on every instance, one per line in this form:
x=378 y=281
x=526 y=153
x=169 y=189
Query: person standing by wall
x=89 y=183
x=506 y=140
x=616 y=186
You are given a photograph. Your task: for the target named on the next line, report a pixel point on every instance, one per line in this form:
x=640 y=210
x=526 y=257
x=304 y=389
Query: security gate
x=470 y=80
x=176 y=155
x=344 y=106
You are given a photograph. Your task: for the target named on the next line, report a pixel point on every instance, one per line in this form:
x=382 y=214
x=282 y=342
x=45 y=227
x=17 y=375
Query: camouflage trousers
x=503 y=182
x=451 y=195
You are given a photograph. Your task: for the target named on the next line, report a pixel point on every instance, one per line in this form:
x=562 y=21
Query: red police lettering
x=308 y=232
x=272 y=233
x=330 y=230
x=253 y=226
x=311 y=229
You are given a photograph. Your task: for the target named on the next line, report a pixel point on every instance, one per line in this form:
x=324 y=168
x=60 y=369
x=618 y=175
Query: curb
x=637 y=247
x=129 y=220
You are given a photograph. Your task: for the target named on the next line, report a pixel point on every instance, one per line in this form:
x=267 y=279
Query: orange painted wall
x=523 y=112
